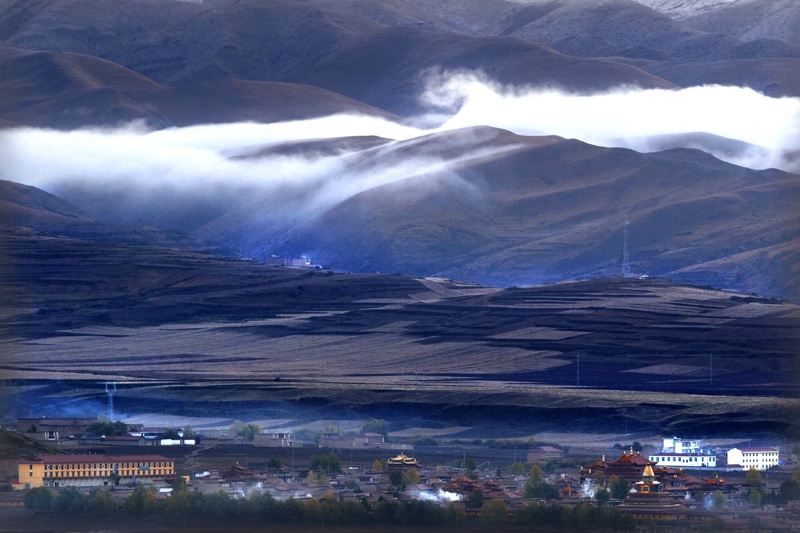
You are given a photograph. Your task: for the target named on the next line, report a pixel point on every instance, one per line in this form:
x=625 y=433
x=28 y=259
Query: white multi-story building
x=678 y=445
x=758 y=458
x=684 y=460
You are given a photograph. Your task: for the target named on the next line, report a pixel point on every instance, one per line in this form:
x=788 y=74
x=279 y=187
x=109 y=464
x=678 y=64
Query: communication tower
x=111 y=388
x=626 y=264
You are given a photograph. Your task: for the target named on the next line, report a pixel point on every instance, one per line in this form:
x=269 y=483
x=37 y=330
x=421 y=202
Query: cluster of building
x=662 y=487
x=297 y=262
x=76 y=431
x=688 y=453
x=670 y=493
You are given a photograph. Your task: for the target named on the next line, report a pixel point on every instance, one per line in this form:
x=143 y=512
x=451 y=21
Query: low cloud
x=760 y=130
x=189 y=177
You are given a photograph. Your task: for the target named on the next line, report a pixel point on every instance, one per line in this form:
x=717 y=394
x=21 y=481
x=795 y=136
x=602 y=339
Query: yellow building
x=92 y=470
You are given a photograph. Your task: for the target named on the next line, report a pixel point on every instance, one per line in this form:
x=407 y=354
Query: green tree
x=618 y=487
x=32 y=429
x=411 y=477
x=455 y=516
x=385 y=512
x=100 y=503
x=188 y=432
x=754 y=498
x=475 y=499
x=494 y=512
x=275 y=463
x=396 y=478
x=752 y=478
x=179 y=484
x=179 y=502
x=602 y=496
x=541 y=489
x=535 y=474
x=173 y=434
x=600 y=479
x=719 y=500
x=378 y=466
x=246 y=431
x=789 y=490
x=374 y=425
x=38 y=499
x=69 y=500
x=102 y=426
x=637 y=446
x=470 y=465
x=716 y=523
x=329 y=462
x=141 y=500
x=113 y=479
x=353 y=513
x=518 y=468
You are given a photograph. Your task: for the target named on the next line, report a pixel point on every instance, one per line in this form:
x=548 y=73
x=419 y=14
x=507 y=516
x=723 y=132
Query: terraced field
x=194 y=335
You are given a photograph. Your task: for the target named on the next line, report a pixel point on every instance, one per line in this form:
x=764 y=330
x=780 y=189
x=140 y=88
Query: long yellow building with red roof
x=92 y=470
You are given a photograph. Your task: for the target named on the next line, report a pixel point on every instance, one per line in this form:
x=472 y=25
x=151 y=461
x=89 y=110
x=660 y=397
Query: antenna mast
x=711 y=369
x=110 y=391
x=626 y=265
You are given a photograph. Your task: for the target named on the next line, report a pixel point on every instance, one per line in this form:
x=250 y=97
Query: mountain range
x=477 y=203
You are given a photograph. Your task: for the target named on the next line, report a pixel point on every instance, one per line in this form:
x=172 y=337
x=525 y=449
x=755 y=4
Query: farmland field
x=198 y=336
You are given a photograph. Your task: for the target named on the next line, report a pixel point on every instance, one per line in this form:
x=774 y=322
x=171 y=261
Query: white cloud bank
x=630 y=118
x=132 y=163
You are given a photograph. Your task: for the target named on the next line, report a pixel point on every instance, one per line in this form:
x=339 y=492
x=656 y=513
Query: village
x=673 y=481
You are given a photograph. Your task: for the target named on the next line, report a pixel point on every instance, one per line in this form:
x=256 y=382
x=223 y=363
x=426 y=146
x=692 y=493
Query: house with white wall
x=758 y=458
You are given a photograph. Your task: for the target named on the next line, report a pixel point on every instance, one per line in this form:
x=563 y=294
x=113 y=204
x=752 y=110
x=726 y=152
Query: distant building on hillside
x=273 y=439
x=363 y=440
x=53 y=429
x=298 y=262
x=542 y=454
x=758 y=458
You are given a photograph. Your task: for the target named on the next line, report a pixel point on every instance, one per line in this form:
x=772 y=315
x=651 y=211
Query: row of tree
x=262 y=508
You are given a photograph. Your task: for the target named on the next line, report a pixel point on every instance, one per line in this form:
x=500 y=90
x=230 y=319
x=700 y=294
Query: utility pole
x=711 y=369
x=578 y=371
x=626 y=264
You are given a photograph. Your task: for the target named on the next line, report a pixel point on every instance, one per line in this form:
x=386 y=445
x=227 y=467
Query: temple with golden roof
x=630 y=467
x=401 y=460
x=650 y=500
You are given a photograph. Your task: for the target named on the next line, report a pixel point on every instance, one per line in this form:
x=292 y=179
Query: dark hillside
x=177 y=331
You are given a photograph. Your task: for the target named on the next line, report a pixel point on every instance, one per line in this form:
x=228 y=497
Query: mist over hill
x=482 y=140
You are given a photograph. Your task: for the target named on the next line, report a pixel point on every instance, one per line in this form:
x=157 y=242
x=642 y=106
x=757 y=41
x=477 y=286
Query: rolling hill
x=175 y=329
x=486 y=205
x=378 y=53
